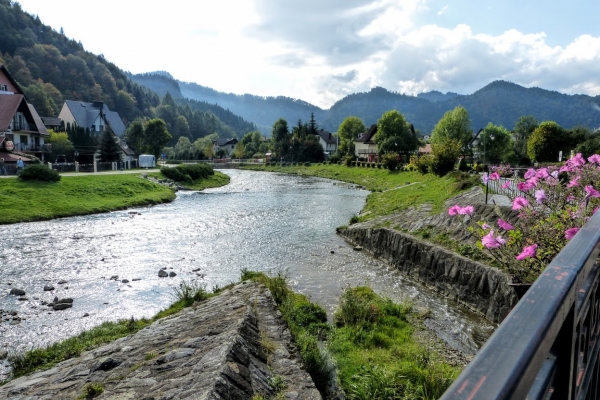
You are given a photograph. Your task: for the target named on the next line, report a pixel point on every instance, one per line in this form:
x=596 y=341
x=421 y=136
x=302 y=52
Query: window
x=4 y=87
x=23 y=139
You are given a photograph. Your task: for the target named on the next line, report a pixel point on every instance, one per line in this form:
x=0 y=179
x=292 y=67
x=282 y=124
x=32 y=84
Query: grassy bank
x=392 y=192
x=217 y=180
x=86 y=194
x=372 y=344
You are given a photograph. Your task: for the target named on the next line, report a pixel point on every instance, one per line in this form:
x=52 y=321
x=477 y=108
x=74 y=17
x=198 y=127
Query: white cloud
x=443 y=10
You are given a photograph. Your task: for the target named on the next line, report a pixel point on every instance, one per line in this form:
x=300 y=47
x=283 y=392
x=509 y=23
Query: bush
x=39 y=172
x=390 y=161
x=188 y=172
x=423 y=163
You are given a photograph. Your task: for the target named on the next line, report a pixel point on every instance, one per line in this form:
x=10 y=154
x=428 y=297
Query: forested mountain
x=500 y=102
x=51 y=68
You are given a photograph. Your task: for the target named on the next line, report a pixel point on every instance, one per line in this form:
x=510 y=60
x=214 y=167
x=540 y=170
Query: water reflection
x=261 y=221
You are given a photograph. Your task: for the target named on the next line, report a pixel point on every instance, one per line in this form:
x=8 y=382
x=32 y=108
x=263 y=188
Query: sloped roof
x=126 y=149
x=327 y=136
x=9 y=104
x=367 y=137
x=10 y=78
x=224 y=142
x=38 y=121
x=86 y=113
x=51 y=121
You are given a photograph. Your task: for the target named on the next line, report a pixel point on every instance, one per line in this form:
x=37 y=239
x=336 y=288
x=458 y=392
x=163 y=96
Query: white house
x=364 y=147
x=95 y=116
x=328 y=141
x=228 y=145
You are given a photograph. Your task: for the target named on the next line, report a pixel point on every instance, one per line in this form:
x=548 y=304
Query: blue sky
x=320 y=51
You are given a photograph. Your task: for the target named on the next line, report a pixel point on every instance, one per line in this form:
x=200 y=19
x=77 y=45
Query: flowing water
x=260 y=221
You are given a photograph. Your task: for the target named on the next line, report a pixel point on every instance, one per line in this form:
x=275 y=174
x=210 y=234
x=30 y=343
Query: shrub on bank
x=188 y=172
x=39 y=172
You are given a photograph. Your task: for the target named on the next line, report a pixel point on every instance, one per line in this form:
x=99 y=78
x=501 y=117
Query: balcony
x=29 y=148
x=24 y=126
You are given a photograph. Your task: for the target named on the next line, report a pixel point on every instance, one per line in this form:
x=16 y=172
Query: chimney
x=98 y=104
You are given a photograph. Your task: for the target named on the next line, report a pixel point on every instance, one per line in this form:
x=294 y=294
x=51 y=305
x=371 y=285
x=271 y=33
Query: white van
x=146 y=161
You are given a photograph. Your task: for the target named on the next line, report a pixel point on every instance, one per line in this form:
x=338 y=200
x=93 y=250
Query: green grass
x=217 y=180
x=78 y=195
x=392 y=192
x=87 y=194
x=376 y=354
x=372 y=344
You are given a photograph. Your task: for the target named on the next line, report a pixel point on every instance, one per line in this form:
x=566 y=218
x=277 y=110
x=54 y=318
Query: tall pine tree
x=110 y=151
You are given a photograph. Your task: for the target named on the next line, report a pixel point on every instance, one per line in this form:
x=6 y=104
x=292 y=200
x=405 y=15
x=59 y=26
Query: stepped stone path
x=232 y=346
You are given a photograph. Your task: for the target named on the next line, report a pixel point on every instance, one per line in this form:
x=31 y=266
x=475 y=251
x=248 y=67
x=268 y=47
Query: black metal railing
x=547 y=347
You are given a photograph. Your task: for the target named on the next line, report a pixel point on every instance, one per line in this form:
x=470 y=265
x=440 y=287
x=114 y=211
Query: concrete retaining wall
x=483 y=289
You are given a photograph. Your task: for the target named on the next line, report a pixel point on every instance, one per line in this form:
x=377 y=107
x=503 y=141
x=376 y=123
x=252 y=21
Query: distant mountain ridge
x=499 y=102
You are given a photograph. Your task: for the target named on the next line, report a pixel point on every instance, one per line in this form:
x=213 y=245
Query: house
x=228 y=145
x=328 y=141
x=52 y=123
x=364 y=147
x=95 y=116
x=22 y=132
x=425 y=150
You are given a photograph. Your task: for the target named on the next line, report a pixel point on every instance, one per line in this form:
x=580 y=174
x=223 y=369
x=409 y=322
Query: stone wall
x=231 y=346
x=481 y=288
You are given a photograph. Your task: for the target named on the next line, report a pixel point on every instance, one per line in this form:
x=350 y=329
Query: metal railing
x=547 y=347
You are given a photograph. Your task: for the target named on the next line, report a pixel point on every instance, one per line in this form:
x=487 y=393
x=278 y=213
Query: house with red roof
x=22 y=132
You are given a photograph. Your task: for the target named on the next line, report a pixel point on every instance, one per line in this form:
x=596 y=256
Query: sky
x=322 y=50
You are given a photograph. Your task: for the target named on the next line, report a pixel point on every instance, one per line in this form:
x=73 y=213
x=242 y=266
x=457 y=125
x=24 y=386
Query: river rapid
x=260 y=221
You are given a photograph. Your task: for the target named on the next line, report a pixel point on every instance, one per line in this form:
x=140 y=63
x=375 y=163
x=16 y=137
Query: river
x=260 y=221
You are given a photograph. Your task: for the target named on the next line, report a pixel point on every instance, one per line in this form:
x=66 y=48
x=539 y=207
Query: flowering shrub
x=554 y=203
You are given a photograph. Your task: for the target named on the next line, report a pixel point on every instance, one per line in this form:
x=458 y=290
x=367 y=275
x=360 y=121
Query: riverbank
x=253 y=351
x=86 y=194
x=391 y=191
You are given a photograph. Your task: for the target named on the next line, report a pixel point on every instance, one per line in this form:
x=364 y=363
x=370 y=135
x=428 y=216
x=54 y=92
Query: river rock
x=62 y=282
x=64 y=301
x=48 y=288
x=125 y=281
x=3 y=354
x=17 y=292
x=23 y=298
x=136 y=279
x=172 y=274
x=162 y=273
x=62 y=306
x=114 y=277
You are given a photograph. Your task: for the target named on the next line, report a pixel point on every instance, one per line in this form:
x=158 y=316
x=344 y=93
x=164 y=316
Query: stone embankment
x=232 y=346
x=484 y=289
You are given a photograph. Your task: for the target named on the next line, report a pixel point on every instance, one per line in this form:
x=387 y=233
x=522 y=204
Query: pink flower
x=505 y=225
x=519 y=202
x=591 y=192
x=540 y=196
x=577 y=161
x=594 y=159
x=542 y=173
x=453 y=210
x=485 y=227
x=574 y=182
x=484 y=178
x=565 y=168
x=525 y=186
x=505 y=185
x=495 y=176
x=530 y=173
x=569 y=233
x=528 y=251
x=466 y=210
x=570 y=197
x=491 y=242
x=552 y=181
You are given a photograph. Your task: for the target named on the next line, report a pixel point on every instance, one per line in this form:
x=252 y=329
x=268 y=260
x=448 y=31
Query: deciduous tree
x=348 y=131
x=394 y=134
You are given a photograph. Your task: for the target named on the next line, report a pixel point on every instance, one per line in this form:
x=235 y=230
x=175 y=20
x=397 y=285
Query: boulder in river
x=172 y=274
x=62 y=282
x=48 y=288
x=17 y=292
x=162 y=273
x=62 y=306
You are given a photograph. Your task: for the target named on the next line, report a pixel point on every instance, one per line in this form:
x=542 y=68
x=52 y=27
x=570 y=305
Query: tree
x=546 y=141
x=348 y=131
x=156 y=136
x=523 y=129
x=495 y=144
x=110 y=151
x=280 y=139
x=239 y=151
x=134 y=136
x=394 y=134
x=312 y=125
x=59 y=143
x=454 y=125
